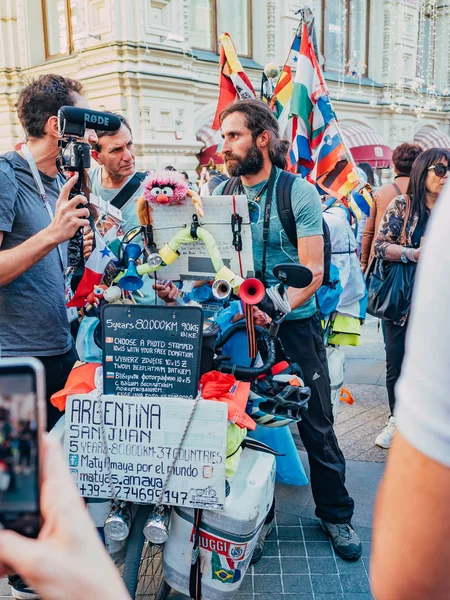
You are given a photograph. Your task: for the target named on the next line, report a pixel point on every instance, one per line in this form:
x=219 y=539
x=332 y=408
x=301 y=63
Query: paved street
x=299 y=562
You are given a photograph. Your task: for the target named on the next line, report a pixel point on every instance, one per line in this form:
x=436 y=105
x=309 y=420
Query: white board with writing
x=194 y=261
x=143 y=437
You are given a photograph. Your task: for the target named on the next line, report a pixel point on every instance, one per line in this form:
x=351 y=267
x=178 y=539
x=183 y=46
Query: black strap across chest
x=266 y=224
x=128 y=190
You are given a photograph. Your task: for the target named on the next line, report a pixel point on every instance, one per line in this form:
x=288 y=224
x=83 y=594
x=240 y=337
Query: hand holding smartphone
x=67 y=560
x=22 y=423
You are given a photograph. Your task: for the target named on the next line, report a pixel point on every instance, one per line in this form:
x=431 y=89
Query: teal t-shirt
x=307 y=209
x=146 y=294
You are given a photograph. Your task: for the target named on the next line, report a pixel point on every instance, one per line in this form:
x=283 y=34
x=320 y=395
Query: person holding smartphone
x=411 y=550
x=36 y=221
x=68 y=559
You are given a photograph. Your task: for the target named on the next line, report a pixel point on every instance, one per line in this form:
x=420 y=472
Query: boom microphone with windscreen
x=73 y=121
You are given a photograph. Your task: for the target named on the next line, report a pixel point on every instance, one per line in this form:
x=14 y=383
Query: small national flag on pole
x=333 y=171
x=233 y=82
x=318 y=148
x=93 y=272
x=361 y=200
x=283 y=90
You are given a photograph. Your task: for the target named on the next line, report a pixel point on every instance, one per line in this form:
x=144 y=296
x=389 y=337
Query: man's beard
x=250 y=164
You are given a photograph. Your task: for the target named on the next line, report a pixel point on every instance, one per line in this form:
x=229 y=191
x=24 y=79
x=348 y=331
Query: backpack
x=287 y=218
x=216 y=180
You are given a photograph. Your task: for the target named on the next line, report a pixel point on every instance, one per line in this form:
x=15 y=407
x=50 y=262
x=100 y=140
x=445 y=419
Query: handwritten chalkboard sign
x=151 y=350
x=133 y=456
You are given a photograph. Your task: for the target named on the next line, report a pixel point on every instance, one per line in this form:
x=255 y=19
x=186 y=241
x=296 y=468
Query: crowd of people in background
x=31 y=261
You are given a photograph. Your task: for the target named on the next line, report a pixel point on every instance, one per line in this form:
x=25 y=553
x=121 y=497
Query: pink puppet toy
x=167 y=188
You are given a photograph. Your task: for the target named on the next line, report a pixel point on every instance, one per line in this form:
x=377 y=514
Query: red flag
x=233 y=82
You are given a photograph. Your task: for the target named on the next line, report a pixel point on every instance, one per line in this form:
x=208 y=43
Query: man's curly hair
x=404 y=156
x=41 y=99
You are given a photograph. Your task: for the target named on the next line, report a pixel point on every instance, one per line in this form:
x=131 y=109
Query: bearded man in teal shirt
x=253 y=151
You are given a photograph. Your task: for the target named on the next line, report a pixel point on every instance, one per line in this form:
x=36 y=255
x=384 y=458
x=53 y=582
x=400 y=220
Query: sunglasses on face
x=440 y=170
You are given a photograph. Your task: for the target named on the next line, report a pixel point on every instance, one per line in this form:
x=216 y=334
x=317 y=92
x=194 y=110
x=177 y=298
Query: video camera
x=75 y=156
x=72 y=124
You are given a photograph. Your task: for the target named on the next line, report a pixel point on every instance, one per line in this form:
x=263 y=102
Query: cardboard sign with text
x=143 y=437
x=194 y=261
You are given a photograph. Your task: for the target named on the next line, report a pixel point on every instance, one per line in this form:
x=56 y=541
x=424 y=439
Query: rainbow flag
x=282 y=94
x=318 y=149
x=233 y=82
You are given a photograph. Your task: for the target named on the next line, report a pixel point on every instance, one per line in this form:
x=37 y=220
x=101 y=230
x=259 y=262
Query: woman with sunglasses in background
x=429 y=173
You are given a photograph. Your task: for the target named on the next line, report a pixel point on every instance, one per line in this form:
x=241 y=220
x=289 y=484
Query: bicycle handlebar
x=246 y=373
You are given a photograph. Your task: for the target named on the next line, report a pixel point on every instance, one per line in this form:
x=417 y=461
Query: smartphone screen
x=20 y=429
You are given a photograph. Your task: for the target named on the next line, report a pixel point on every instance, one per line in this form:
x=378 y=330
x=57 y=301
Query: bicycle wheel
x=142 y=571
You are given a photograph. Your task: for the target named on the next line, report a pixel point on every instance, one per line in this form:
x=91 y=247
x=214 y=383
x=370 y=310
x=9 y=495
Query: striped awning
x=211 y=140
x=366 y=145
x=429 y=137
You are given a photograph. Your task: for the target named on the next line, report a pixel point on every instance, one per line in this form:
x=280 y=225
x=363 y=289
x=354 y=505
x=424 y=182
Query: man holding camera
x=36 y=221
x=117 y=182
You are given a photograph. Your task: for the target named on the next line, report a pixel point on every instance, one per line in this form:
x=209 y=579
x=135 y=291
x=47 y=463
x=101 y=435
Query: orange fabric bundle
x=80 y=381
x=225 y=388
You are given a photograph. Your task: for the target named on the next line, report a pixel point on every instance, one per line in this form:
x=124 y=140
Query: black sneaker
x=344 y=539
x=266 y=530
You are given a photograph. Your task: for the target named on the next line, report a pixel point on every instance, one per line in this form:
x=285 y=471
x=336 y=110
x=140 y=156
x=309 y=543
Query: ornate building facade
x=156 y=62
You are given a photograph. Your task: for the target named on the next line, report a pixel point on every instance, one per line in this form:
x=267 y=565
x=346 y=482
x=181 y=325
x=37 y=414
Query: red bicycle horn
x=251 y=291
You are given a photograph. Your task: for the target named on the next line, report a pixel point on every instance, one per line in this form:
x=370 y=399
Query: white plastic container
x=336 y=367
x=228 y=537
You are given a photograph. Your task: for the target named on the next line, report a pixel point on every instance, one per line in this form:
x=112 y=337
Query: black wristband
x=267 y=306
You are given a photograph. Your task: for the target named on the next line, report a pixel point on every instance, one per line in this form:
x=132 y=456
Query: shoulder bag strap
x=41 y=191
x=284 y=205
x=230 y=186
x=128 y=190
x=402 y=239
x=397 y=189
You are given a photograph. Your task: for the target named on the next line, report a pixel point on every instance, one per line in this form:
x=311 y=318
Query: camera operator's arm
x=68 y=218
x=88 y=242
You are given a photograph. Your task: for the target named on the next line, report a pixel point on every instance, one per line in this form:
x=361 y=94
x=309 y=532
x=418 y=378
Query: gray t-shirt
x=33 y=315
